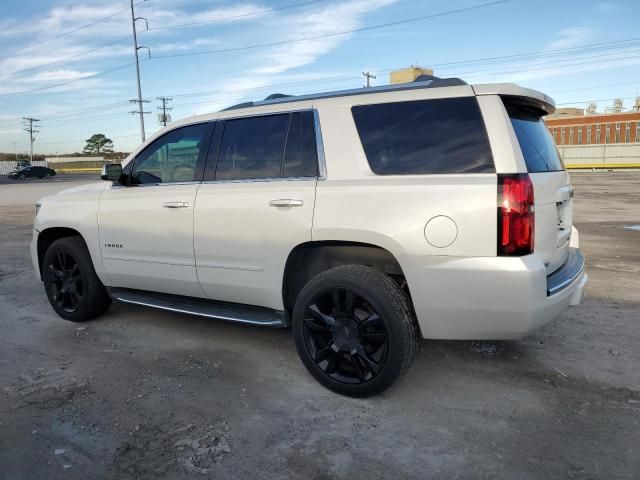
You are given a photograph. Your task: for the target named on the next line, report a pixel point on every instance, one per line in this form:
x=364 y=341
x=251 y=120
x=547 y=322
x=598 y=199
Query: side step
x=232 y=312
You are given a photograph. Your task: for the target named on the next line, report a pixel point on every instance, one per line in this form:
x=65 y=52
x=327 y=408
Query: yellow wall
x=407 y=75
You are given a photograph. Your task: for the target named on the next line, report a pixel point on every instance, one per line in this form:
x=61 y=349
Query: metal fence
x=614 y=155
x=7 y=166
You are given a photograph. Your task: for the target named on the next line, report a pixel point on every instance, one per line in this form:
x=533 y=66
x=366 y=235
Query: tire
x=21 y=176
x=47 y=175
x=361 y=347
x=74 y=290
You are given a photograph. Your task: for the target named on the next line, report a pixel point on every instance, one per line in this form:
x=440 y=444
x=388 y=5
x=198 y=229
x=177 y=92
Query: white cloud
x=571 y=37
x=336 y=17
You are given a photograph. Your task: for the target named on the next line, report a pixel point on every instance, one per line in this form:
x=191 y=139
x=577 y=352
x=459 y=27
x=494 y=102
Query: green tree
x=97 y=144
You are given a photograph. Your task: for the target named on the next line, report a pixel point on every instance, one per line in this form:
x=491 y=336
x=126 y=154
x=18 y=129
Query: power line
x=334 y=34
x=234 y=17
x=63 y=60
x=69 y=32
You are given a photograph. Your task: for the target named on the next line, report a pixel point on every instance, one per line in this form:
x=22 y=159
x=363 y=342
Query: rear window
x=424 y=137
x=538 y=148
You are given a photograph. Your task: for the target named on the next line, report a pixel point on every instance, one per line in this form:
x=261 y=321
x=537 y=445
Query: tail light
x=516 y=217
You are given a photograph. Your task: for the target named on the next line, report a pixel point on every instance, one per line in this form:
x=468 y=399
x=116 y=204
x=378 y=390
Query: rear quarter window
x=424 y=137
x=538 y=148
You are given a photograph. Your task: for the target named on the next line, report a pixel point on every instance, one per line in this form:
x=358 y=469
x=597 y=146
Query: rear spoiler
x=518 y=95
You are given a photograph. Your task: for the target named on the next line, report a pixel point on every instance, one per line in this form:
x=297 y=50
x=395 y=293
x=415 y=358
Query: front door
x=255 y=205
x=146 y=228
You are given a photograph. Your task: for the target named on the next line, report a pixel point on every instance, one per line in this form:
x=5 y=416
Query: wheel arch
x=308 y=259
x=50 y=235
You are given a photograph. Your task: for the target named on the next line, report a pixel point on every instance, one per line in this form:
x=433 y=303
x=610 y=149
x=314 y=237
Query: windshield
x=537 y=145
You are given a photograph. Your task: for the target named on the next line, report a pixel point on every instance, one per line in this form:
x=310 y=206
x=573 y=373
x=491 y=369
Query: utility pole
x=15 y=150
x=164 y=117
x=139 y=101
x=29 y=129
x=368 y=76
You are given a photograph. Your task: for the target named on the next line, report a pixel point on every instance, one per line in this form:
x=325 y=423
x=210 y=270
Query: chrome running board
x=231 y=312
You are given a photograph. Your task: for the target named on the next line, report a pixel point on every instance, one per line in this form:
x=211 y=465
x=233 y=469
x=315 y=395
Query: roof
x=422 y=82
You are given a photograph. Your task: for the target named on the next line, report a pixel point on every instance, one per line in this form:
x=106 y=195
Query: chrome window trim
x=254 y=180
x=193 y=182
x=320 y=158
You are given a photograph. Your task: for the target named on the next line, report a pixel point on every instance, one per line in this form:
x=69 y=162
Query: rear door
x=255 y=205
x=553 y=193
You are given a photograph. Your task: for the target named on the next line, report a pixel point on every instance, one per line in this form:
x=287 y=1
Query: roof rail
x=440 y=82
x=423 y=81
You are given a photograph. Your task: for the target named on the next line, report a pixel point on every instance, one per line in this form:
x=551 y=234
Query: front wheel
x=74 y=290
x=21 y=176
x=354 y=330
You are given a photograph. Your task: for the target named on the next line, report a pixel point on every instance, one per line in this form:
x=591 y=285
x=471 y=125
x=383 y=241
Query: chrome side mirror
x=111 y=172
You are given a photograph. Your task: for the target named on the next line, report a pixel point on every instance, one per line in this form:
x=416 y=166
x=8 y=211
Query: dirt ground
x=145 y=394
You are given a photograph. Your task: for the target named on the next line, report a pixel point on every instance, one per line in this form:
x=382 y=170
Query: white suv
x=365 y=219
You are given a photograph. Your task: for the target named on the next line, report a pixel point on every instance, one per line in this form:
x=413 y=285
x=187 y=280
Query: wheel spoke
x=360 y=373
x=75 y=298
x=323 y=353
x=332 y=362
x=318 y=315
x=61 y=258
x=75 y=270
x=337 y=307
x=368 y=364
x=370 y=321
x=349 y=303
x=55 y=272
x=316 y=325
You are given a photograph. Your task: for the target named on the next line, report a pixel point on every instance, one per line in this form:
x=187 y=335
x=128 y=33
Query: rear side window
x=424 y=137
x=270 y=146
x=252 y=147
x=300 y=156
x=538 y=148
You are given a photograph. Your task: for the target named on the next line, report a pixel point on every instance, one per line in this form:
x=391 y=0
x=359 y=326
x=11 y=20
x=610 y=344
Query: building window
x=579 y=135
x=617 y=138
x=627 y=133
x=598 y=133
x=589 y=135
x=607 y=134
x=570 y=135
x=555 y=134
x=562 y=135
x=637 y=132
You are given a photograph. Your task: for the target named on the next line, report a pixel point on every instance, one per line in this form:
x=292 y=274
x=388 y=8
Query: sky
x=70 y=64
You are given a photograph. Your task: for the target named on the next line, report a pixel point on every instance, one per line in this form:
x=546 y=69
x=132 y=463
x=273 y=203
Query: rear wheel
x=21 y=176
x=73 y=288
x=354 y=330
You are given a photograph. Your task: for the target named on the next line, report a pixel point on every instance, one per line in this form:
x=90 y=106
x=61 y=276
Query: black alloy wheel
x=74 y=290
x=354 y=330
x=66 y=282
x=345 y=336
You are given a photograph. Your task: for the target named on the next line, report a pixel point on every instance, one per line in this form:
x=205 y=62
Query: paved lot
x=145 y=394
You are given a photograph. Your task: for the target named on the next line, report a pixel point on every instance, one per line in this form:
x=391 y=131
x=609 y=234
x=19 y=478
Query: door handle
x=286 y=202
x=175 y=204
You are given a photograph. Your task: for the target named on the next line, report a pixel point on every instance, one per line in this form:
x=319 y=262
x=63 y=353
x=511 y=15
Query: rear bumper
x=490 y=298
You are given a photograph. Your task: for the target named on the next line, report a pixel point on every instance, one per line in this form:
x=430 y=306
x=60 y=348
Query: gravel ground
x=146 y=394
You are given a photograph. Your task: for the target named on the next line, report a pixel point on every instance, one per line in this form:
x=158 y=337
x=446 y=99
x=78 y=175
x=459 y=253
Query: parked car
x=29 y=172
x=365 y=219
